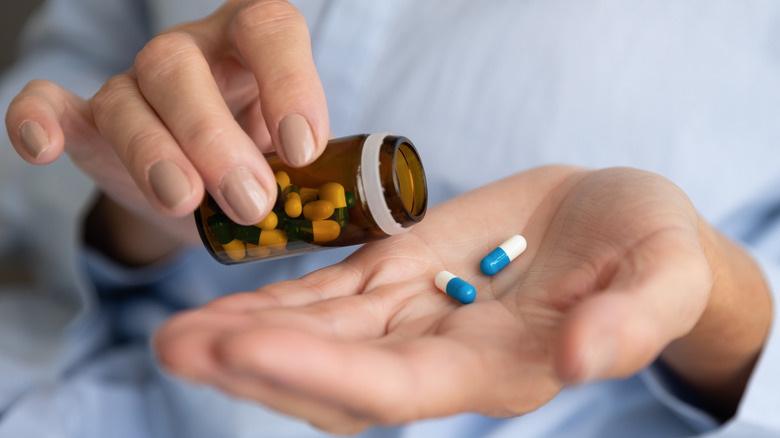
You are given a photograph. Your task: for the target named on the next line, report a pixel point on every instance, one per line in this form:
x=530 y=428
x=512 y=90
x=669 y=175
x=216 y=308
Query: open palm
x=613 y=272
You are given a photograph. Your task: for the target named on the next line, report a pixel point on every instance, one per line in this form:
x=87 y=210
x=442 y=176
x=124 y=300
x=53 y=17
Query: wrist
x=717 y=356
x=125 y=237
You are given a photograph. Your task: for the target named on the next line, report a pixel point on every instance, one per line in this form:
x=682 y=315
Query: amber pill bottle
x=362 y=188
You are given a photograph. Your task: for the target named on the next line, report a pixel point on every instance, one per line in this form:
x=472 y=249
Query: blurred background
x=13 y=14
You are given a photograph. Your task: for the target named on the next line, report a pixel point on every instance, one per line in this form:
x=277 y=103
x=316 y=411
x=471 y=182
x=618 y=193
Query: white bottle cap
x=372 y=185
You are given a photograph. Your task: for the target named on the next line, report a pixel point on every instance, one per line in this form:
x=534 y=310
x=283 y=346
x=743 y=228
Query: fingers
x=147 y=149
x=658 y=297
x=190 y=346
x=174 y=118
x=318 y=378
x=321 y=413
x=342 y=279
x=38 y=118
x=193 y=346
x=341 y=365
x=291 y=95
x=397 y=379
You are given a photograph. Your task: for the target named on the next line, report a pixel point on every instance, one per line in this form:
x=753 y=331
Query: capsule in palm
x=502 y=255
x=455 y=287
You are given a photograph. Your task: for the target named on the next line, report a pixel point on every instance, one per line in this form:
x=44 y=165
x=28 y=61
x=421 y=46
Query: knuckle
x=205 y=137
x=293 y=80
x=113 y=93
x=163 y=53
x=141 y=145
x=269 y=16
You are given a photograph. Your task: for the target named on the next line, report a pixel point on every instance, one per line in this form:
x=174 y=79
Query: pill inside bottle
x=362 y=188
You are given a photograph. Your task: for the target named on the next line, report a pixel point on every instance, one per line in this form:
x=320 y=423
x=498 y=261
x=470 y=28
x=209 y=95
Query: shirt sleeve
x=757 y=227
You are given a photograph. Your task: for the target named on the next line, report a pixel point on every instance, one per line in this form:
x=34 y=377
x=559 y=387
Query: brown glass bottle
x=362 y=188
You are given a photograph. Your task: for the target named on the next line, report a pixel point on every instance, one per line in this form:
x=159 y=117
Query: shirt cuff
x=757 y=414
x=108 y=275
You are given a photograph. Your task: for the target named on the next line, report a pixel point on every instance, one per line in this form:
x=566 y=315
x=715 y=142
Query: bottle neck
x=393 y=181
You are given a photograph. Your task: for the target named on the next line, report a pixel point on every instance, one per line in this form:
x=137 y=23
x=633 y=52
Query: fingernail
x=598 y=360
x=244 y=194
x=297 y=140
x=169 y=183
x=34 y=138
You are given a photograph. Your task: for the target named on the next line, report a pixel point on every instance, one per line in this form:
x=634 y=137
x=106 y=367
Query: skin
x=611 y=280
x=150 y=114
x=620 y=268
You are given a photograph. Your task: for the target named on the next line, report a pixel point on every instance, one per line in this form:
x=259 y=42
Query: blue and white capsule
x=455 y=287
x=501 y=256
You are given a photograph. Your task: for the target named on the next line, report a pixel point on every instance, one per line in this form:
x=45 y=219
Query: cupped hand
x=201 y=104
x=614 y=271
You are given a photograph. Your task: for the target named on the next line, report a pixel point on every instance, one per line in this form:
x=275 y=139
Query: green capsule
x=292 y=201
x=281 y=219
x=235 y=250
x=282 y=179
x=220 y=226
x=269 y=222
x=350 y=199
x=257 y=252
x=274 y=239
x=341 y=216
x=333 y=192
x=318 y=210
x=247 y=233
x=309 y=194
x=255 y=236
x=313 y=231
x=213 y=204
x=279 y=204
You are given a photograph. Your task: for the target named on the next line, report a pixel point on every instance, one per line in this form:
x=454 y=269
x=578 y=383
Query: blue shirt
x=689 y=90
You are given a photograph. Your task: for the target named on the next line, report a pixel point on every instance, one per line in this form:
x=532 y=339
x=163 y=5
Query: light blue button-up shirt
x=687 y=89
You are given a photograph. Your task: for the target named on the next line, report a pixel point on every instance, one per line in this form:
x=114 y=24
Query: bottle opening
x=410 y=179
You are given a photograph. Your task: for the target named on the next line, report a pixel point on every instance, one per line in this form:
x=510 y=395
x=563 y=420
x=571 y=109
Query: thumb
x=622 y=329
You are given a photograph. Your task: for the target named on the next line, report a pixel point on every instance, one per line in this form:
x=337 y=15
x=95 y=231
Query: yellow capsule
x=269 y=222
x=309 y=194
x=313 y=231
x=325 y=231
x=292 y=205
x=334 y=192
x=283 y=179
x=275 y=239
x=318 y=210
x=257 y=251
x=235 y=250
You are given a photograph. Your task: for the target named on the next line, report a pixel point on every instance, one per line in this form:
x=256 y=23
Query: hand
x=614 y=272
x=201 y=104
